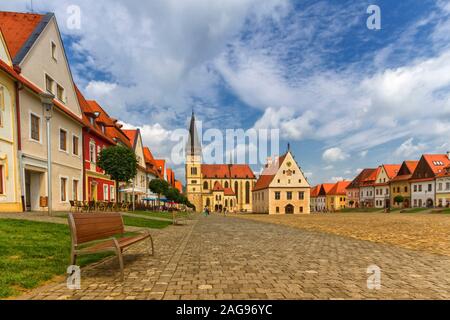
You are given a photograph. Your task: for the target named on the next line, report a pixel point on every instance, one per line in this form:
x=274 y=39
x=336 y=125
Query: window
x=63 y=189
x=247 y=192
x=53 y=45
x=301 y=209
x=62 y=140
x=420 y=188
x=49 y=84
x=194 y=181
x=105 y=192
x=205 y=185
x=277 y=195
x=75 y=190
x=2 y=190
x=301 y=195
x=440 y=186
x=60 y=93
x=75 y=145
x=406 y=189
x=430 y=187
x=92 y=152
x=277 y=209
x=415 y=188
x=289 y=195
x=35 y=122
x=447 y=186
x=112 y=193
x=194 y=170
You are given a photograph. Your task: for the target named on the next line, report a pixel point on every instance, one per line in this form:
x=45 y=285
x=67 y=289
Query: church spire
x=193 y=147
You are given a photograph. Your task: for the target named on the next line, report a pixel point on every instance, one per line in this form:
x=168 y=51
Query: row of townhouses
x=413 y=184
x=41 y=106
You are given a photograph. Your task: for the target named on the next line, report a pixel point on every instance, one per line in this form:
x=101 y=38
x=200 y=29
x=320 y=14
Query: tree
x=399 y=199
x=118 y=162
x=173 y=195
x=160 y=187
x=351 y=202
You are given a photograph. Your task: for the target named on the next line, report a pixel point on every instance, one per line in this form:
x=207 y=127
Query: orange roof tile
x=263 y=182
x=228 y=192
x=437 y=162
x=131 y=134
x=218 y=187
x=315 y=191
x=326 y=188
x=391 y=169
x=412 y=165
x=339 y=188
x=17 y=29
x=179 y=186
x=238 y=171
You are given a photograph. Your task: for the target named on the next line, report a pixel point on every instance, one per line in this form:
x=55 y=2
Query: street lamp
x=47 y=105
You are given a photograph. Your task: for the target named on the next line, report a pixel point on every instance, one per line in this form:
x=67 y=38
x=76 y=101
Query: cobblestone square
x=218 y=257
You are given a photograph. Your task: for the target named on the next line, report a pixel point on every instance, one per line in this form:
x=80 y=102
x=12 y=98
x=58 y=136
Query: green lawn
x=159 y=214
x=32 y=253
x=360 y=210
x=145 y=223
x=414 y=210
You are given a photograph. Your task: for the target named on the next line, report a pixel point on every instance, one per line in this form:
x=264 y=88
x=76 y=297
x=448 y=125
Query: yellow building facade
x=10 y=192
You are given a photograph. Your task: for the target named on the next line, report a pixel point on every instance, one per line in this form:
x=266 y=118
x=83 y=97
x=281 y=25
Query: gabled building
x=314 y=193
x=97 y=185
x=386 y=173
x=321 y=201
x=443 y=188
x=337 y=195
x=152 y=173
x=353 y=189
x=10 y=190
x=39 y=60
x=138 y=187
x=367 y=189
x=282 y=188
x=423 y=180
x=400 y=185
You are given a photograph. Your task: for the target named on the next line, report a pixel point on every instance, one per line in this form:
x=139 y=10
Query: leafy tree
x=120 y=163
x=160 y=187
x=399 y=199
x=173 y=195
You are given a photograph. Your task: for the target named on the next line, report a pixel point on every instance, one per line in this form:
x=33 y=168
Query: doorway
x=289 y=209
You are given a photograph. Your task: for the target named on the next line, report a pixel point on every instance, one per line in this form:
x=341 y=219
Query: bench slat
x=96 y=226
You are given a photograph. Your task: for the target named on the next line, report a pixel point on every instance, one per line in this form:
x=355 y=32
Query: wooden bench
x=94 y=232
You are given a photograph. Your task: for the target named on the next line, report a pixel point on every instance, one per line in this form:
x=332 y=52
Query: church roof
x=229 y=192
x=218 y=187
x=237 y=171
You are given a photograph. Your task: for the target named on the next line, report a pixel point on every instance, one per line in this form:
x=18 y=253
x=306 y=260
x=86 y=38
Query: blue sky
x=344 y=96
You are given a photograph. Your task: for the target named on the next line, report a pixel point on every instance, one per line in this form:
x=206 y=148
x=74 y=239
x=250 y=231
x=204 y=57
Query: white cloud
x=334 y=154
x=337 y=179
x=409 y=149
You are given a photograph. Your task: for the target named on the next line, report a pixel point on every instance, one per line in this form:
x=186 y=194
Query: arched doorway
x=289 y=209
x=208 y=202
x=430 y=203
x=406 y=203
x=220 y=207
x=216 y=208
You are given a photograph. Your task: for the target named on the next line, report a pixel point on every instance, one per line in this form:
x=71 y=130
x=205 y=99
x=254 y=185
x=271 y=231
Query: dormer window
x=91 y=120
x=54 y=53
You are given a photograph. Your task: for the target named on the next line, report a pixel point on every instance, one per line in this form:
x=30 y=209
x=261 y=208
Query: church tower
x=194 y=166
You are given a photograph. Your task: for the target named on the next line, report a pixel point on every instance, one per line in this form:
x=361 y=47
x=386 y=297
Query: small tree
x=159 y=187
x=173 y=195
x=399 y=199
x=351 y=203
x=118 y=162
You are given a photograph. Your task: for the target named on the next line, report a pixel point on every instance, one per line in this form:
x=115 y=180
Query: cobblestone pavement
x=418 y=231
x=230 y=258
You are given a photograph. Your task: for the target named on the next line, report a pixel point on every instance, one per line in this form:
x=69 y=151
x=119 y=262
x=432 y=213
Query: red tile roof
x=17 y=29
x=339 y=188
x=263 y=182
x=86 y=108
x=437 y=162
x=406 y=171
x=179 y=186
x=444 y=173
x=218 y=187
x=391 y=170
x=228 y=192
x=356 y=183
x=131 y=134
x=315 y=191
x=326 y=188
x=160 y=166
x=235 y=171
x=412 y=165
x=150 y=162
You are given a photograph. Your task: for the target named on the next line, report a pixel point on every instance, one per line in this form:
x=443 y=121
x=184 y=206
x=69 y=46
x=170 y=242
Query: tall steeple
x=193 y=146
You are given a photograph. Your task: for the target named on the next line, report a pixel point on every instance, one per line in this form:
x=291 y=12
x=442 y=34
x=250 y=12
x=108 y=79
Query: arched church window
x=205 y=185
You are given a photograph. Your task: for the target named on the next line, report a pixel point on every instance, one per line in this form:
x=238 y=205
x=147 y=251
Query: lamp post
x=47 y=105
